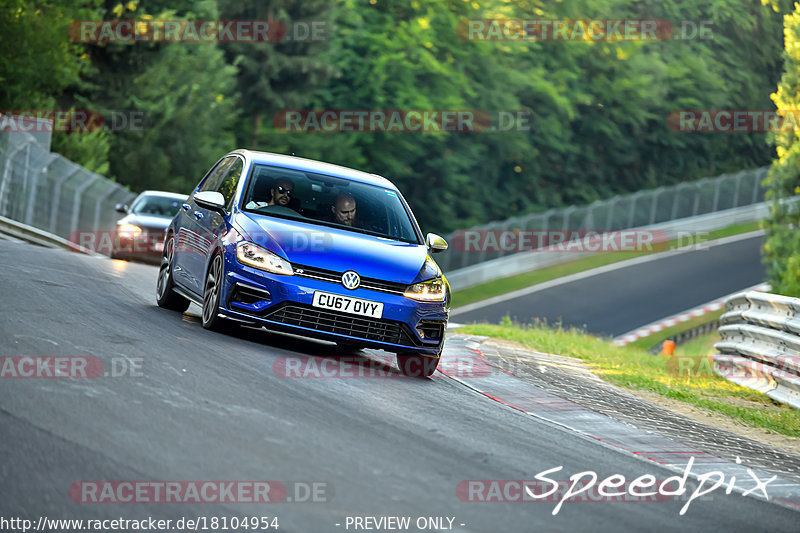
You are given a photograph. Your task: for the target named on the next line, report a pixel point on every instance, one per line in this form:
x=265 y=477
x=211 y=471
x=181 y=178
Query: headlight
x=255 y=256
x=427 y=291
x=129 y=231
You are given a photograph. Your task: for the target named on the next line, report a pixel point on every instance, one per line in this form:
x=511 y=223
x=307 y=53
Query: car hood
x=334 y=249
x=146 y=221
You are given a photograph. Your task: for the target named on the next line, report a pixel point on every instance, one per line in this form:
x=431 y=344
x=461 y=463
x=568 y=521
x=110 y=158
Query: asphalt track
x=208 y=406
x=631 y=296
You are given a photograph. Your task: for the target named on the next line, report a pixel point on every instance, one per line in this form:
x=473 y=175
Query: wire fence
x=49 y=192
x=635 y=210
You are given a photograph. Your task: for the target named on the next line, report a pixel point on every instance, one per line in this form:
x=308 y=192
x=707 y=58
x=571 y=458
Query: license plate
x=346 y=304
x=158 y=246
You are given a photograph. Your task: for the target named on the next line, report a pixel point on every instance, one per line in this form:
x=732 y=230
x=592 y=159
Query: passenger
x=344 y=209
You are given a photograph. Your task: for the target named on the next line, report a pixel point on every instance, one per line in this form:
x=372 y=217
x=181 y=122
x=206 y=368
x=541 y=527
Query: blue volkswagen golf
x=309 y=248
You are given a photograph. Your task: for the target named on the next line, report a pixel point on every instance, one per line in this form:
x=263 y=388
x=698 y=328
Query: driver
x=279 y=194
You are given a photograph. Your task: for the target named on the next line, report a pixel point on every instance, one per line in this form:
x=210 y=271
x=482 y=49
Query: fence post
x=654 y=204
x=756 y=183
x=717 y=183
x=114 y=188
x=6 y=179
x=736 y=188
x=632 y=213
x=610 y=217
x=57 y=196
x=76 y=205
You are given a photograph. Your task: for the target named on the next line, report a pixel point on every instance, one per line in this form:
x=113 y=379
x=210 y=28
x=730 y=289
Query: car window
x=214 y=179
x=227 y=187
x=378 y=211
x=164 y=206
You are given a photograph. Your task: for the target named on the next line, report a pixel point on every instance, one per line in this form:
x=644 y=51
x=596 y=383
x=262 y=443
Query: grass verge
x=645 y=343
x=686 y=376
x=520 y=281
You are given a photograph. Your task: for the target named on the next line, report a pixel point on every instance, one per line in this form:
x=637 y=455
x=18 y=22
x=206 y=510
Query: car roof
x=175 y=195
x=319 y=167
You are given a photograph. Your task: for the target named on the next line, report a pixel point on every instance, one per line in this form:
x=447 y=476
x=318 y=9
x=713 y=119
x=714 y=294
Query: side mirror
x=121 y=208
x=435 y=243
x=211 y=200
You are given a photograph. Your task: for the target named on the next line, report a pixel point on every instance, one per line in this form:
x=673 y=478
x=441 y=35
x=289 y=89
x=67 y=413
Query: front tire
x=165 y=295
x=212 y=294
x=417 y=366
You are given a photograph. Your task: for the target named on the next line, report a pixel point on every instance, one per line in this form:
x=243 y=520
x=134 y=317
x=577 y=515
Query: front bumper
x=148 y=246
x=284 y=303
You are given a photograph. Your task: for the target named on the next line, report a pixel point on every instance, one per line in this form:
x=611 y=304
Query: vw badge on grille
x=351 y=280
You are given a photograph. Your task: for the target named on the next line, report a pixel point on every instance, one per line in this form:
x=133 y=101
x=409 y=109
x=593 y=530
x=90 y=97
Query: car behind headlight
x=129 y=231
x=257 y=257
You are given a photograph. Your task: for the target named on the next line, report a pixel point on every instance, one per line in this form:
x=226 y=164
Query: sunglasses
x=284 y=190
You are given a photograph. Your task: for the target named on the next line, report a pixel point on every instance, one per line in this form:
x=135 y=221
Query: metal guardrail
x=23 y=232
x=760 y=346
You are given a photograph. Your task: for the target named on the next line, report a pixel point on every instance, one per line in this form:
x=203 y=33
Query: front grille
x=373 y=329
x=336 y=277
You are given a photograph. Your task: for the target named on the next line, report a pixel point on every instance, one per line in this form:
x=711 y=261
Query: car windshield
x=159 y=206
x=330 y=201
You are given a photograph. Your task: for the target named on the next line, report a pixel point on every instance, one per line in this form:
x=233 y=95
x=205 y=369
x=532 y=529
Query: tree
x=282 y=74
x=184 y=91
x=782 y=246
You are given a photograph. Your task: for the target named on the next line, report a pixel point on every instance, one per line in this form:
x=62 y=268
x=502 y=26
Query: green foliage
x=38 y=65
x=184 y=91
x=782 y=247
x=598 y=109
x=277 y=75
x=37 y=61
x=90 y=149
